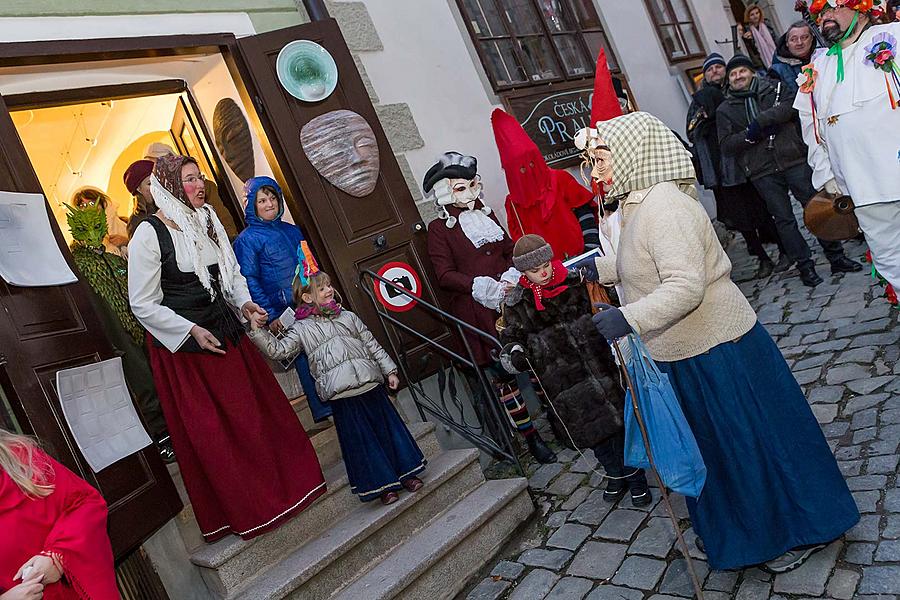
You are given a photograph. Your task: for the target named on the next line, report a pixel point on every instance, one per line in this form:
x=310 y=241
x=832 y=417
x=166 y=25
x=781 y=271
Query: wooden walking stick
x=662 y=487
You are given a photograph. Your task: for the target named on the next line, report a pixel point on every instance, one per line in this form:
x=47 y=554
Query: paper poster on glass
x=29 y=253
x=98 y=408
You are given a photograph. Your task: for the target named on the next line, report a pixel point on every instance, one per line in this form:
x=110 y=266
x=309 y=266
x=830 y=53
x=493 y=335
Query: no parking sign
x=404 y=276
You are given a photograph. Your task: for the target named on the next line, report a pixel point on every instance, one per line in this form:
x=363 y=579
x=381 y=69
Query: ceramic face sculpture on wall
x=233 y=139
x=342 y=147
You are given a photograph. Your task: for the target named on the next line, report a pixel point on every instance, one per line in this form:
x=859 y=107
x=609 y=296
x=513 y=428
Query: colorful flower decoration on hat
x=874 y=7
x=882 y=55
x=306 y=264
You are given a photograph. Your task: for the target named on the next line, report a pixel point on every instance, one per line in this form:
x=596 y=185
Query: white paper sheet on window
x=100 y=413
x=29 y=254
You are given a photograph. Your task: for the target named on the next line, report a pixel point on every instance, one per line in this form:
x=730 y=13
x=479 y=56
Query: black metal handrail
x=482 y=434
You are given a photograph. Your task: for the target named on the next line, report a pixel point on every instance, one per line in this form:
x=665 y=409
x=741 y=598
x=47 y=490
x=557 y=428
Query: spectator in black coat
x=758 y=125
x=738 y=205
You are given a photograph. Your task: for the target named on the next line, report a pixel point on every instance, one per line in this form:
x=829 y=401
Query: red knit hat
x=137 y=172
x=527 y=174
x=605 y=103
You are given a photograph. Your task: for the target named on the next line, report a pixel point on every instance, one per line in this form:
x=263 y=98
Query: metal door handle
x=380 y=242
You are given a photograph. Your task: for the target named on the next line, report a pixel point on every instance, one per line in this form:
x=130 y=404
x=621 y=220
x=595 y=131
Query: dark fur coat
x=572 y=360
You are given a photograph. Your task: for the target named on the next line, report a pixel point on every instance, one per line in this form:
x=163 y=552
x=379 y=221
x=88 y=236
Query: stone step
x=228 y=563
x=327 y=449
x=325 y=442
x=371 y=531
x=438 y=560
x=301 y=408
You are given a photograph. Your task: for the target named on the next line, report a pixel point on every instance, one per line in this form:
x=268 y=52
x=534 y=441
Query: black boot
x=808 y=275
x=784 y=263
x=640 y=491
x=845 y=265
x=609 y=453
x=539 y=449
x=166 y=451
x=766 y=266
x=615 y=488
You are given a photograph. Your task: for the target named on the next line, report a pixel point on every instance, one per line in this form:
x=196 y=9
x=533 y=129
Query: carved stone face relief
x=342 y=147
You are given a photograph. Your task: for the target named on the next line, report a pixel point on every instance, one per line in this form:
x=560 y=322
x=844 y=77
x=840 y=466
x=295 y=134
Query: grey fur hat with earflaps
x=530 y=252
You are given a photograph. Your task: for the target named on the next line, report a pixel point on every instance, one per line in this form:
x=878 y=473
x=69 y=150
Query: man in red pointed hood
x=543 y=201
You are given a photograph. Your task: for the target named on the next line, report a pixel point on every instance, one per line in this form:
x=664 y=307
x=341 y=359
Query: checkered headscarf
x=645 y=152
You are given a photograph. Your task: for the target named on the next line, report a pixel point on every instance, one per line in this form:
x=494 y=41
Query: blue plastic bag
x=675 y=451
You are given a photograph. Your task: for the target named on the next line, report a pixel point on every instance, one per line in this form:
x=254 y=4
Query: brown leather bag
x=831 y=217
x=598 y=295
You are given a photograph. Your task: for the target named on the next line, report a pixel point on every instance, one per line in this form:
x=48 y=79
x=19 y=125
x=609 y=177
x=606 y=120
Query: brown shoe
x=389 y=498
x=413 y=484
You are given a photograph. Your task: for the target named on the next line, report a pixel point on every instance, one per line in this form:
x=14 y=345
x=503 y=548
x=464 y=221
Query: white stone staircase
x=427 y=545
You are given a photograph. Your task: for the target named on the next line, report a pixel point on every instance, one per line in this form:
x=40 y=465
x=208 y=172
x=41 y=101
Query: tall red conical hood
x=605 y=104
x=527 y=174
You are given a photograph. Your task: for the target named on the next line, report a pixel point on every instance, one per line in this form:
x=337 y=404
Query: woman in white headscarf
x=247 y=464
x=773 y=490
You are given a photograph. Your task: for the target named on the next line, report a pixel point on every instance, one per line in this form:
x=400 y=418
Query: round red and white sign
x=404 y=276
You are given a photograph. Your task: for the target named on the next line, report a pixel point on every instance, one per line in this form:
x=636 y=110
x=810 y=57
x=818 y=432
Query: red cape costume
x=70 y=522
x=541 y=199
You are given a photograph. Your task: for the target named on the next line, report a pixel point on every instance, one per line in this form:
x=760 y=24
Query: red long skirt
x=247 y=464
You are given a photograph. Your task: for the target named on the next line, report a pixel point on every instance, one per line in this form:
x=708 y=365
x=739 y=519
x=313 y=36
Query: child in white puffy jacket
x=350 y=368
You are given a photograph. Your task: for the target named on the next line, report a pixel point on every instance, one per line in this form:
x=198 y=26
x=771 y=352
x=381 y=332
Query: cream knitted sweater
x=676 y=277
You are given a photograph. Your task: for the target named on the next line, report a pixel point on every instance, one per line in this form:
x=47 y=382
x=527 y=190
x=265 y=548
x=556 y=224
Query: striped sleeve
x=587 y=219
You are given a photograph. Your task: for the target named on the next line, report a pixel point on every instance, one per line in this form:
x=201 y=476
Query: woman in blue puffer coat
x=269 y=252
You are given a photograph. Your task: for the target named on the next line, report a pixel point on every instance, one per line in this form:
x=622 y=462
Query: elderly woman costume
x=247 y=463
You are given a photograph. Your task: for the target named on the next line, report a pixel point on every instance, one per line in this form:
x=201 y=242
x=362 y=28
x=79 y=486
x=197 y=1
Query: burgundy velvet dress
x=457 y=262
x=247 y=464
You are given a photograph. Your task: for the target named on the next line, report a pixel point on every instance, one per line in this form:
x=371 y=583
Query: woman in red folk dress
x=53 y=542
x=246 y=461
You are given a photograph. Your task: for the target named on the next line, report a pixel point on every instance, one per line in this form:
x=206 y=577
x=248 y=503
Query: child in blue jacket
x=269 y=252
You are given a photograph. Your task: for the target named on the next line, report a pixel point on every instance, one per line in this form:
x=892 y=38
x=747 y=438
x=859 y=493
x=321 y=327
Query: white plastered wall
x=429 y=63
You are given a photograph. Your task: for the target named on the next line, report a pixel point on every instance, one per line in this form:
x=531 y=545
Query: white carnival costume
x=851 y=124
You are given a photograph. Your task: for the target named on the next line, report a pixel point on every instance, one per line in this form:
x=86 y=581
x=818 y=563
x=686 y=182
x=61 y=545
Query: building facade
x=429 y=71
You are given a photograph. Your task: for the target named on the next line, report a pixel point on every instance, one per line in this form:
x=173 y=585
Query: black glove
x=587 y=267
x=610 y=322
x=754 y=131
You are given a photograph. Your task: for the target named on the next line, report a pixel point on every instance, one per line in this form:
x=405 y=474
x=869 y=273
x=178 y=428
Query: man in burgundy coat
x=472 y=257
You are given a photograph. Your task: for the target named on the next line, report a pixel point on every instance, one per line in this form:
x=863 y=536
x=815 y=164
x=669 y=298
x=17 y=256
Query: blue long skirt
x=319 y=410
x=379 y=451
x=772 y=483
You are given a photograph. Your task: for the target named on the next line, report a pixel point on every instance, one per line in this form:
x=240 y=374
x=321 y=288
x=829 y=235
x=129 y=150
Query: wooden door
x=348 y=233
x=192 y=139
x=45 y=329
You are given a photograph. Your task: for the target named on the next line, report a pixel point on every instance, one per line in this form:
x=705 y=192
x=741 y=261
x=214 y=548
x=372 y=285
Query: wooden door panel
x=40 y=312
x=46 y=329
x=345 y=231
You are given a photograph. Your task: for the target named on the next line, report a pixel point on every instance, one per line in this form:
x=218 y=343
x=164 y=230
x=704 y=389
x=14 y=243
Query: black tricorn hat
x=452 y=165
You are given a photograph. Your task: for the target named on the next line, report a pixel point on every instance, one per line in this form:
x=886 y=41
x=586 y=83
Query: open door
x=45 y=329
x=356 y=233
x=192 y=139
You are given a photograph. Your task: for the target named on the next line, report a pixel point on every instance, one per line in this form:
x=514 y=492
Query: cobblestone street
x=841 y=340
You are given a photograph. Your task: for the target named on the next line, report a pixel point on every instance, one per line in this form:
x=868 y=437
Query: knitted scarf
x=762 y=37
x=329 y=310
x=552 y=288
x=751 y=99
